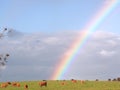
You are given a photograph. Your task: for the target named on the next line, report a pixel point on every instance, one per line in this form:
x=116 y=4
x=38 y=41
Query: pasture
x=65 y=85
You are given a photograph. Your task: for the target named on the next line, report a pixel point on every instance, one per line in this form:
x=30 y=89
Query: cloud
x=34 y=56
x=12 y=33
x=106 y=53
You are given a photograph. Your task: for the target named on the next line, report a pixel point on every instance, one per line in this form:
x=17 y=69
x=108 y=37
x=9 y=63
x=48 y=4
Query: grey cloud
x=34 y=56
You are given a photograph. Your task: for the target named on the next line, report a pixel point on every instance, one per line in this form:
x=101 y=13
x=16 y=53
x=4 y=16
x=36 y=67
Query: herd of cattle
x=44 y=83
x=17 y=84
x=41 y=84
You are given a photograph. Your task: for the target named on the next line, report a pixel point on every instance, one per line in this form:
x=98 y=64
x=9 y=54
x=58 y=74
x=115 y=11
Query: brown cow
x=9 y=83
x=43 y=83
x=18 y=85
x=63 y=83
x=4 y=85
x=74 y=81
x=25 y=86
x=14 y=84
x=82 y=81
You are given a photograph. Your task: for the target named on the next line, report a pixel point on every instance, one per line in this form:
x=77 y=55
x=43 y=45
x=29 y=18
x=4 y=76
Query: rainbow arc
x=78 y=44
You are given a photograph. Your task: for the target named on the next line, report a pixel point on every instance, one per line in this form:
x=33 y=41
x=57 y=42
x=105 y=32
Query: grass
x=68 y=85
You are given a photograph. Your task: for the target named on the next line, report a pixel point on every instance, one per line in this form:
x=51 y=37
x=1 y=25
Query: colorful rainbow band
x=75 y=48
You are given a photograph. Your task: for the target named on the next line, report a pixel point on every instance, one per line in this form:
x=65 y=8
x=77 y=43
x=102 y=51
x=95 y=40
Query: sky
x=42 y=30
x=51 y=15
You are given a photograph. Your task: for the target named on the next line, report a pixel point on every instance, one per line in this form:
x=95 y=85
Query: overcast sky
x=34 y=56
x=44 y=30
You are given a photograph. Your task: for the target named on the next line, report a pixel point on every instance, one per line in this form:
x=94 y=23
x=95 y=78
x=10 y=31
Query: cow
x=9 y=83
x=74 y=81
x=82 y=81
x=63 y=83
x=14 y=84
x=18 y=84
x=25 y=86
x=43 y=83
x=4 y=85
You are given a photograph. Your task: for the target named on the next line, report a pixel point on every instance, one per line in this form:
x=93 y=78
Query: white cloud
x=104 y=35
x=36 y=55
x=106 y=53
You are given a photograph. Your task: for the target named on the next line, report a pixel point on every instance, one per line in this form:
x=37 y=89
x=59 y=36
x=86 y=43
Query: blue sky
x=52 y=15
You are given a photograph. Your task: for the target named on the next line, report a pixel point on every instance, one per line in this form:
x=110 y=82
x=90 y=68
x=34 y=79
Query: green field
x=68 y=85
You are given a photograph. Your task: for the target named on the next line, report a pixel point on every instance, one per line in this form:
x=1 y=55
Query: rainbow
x=69 y=56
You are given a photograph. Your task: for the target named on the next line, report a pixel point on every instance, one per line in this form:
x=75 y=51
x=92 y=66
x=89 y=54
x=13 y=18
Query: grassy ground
x=67 y=85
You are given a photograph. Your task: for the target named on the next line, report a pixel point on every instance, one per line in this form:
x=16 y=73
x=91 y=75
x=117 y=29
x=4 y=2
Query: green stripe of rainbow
x=75 y=48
